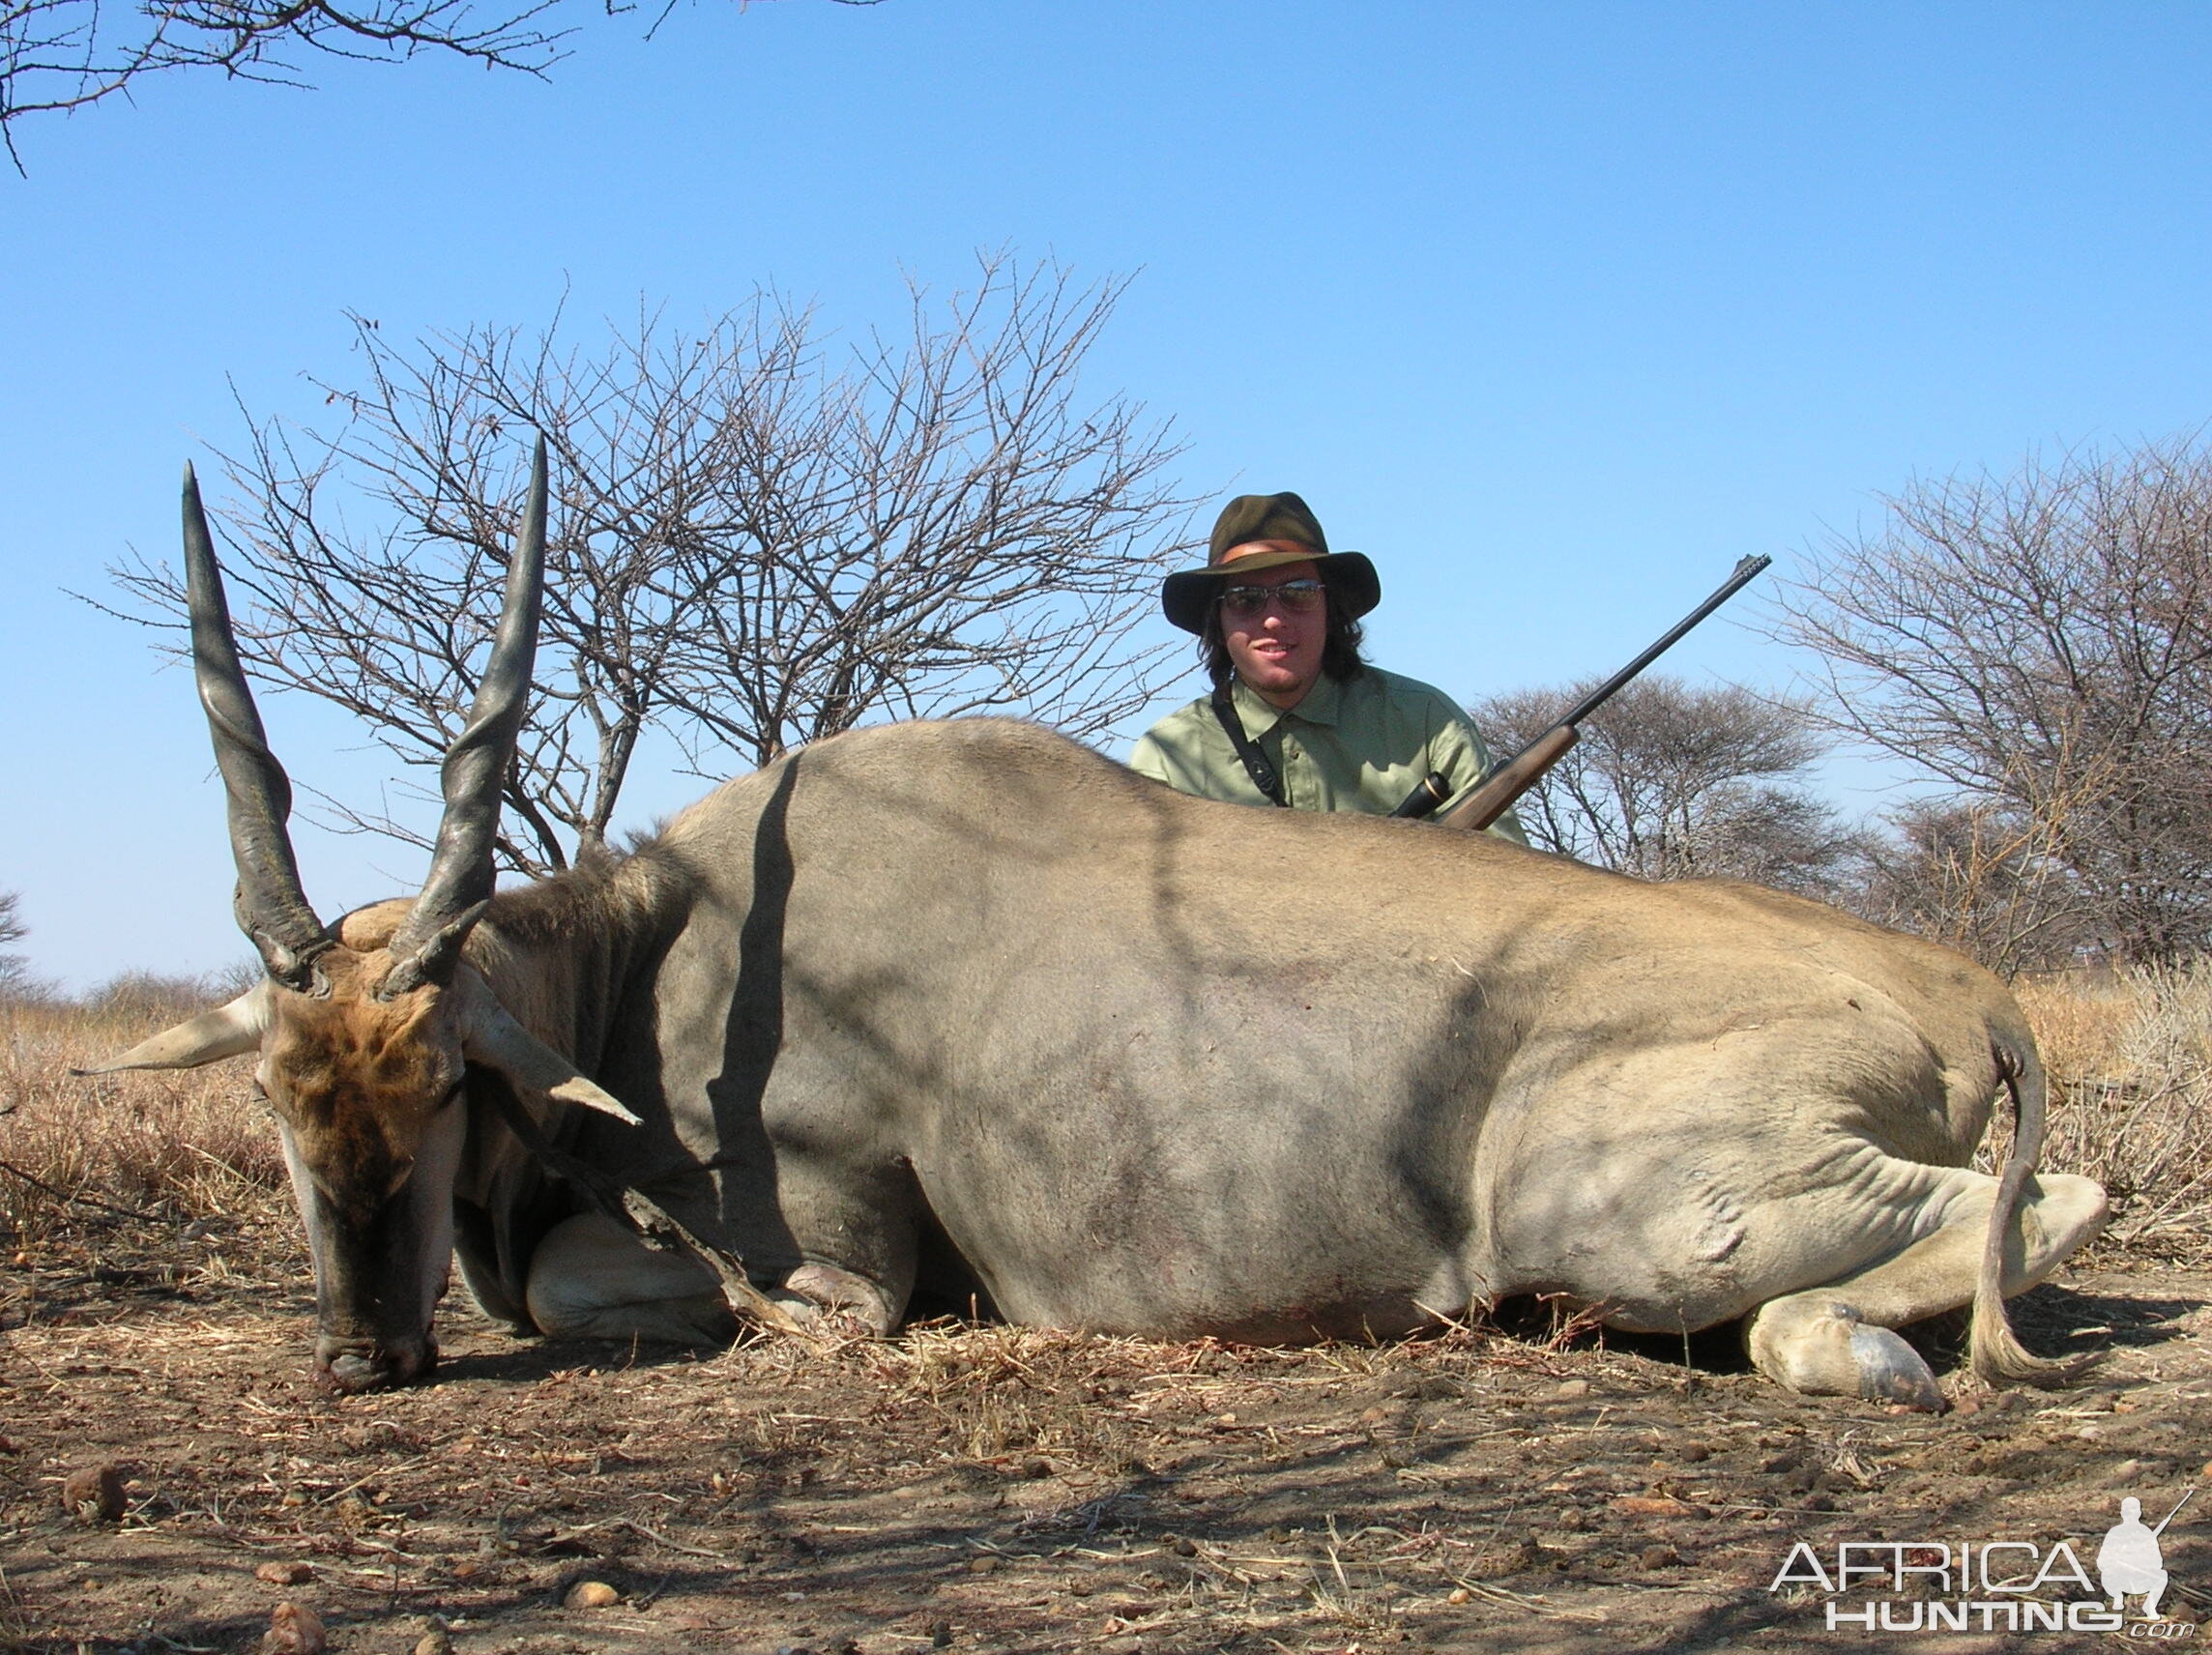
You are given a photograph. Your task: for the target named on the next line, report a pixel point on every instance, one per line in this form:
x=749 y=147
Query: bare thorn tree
x=2042 y=645
x=757 y=541
x=1670 y=782
x=1980 y=877
x=14 y=969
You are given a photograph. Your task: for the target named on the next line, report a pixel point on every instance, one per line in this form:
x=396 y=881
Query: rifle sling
x=1256 y=765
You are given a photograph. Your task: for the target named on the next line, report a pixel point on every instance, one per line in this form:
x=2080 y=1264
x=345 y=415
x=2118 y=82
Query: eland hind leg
x=1835 y=1339
x=1825 y=1251
x=1812 y=1189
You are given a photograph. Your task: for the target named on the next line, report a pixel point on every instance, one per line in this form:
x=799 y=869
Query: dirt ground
x=981 y=1489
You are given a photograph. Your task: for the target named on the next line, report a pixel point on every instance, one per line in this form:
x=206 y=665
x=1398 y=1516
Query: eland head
x=364 y=1036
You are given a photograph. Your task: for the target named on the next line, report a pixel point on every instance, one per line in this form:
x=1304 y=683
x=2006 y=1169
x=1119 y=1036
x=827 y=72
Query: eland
x=965 y=1008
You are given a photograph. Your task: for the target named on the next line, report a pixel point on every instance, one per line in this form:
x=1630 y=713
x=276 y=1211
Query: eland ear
x=491 y=1037
x=227 y=1032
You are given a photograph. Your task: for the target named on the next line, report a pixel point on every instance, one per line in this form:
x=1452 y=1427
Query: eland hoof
x=1892 y=1371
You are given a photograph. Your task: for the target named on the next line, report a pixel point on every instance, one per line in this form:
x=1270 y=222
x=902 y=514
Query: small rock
x=1459 y=1595
x=435 y=1642
x=1693 y=1453
x=284 y=1574
x=1519 y=1558
x=1656 y=1505
x=1658 y=1557
x=983 y=1565
x=591 y=1595
x=294 y=1629
x=2126 y=1472
x=94 y=1495
x=1567 y=1390
x=2090 y=1432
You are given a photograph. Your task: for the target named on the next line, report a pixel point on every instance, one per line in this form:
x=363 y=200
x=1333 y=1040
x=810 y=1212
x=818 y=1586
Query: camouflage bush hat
x=1351 y=581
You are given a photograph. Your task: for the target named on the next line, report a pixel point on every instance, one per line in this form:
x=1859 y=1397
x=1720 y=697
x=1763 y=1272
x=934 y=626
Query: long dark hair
x=1340 y=657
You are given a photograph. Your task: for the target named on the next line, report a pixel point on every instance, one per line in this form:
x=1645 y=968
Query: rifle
x=1504 y=783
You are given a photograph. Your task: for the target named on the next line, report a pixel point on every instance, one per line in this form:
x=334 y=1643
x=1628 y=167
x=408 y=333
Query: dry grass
x=1006 y=1392
x=2130 y=1059
x=77 y=1151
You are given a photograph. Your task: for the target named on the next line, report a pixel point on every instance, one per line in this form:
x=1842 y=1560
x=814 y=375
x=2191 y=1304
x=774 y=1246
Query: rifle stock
x=1494 y=794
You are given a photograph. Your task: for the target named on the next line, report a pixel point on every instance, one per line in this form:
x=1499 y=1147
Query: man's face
x=1275 y=641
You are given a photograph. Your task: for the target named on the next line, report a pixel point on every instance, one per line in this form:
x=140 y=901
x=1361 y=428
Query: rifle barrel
x=1746 y=571
x=1559 y=737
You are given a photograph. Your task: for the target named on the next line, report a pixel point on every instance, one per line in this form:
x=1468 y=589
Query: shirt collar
x=1322 y=704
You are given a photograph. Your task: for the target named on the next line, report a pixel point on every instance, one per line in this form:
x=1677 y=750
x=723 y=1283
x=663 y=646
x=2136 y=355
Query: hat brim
x=1351 y=581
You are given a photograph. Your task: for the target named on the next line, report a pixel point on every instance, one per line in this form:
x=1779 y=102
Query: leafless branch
x=757 y=541
x=58 y=55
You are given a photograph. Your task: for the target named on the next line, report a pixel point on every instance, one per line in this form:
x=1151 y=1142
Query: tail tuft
x=1996 y=1354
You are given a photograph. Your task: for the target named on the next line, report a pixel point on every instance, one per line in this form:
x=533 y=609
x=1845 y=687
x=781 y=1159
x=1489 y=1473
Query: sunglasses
x=1297 y=597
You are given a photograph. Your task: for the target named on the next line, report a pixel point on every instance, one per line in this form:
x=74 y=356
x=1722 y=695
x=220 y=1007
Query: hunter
x=1297 y=718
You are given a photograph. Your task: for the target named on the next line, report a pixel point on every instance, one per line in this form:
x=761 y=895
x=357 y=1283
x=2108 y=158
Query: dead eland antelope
x=969 y=1007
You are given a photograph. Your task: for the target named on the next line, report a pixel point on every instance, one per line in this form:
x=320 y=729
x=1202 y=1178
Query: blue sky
x=1555 y=311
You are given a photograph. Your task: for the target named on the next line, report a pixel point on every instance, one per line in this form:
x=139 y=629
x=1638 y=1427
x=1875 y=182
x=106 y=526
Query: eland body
x=967 y=1008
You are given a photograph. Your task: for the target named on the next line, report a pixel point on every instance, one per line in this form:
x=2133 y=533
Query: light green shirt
x=1362 y=745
